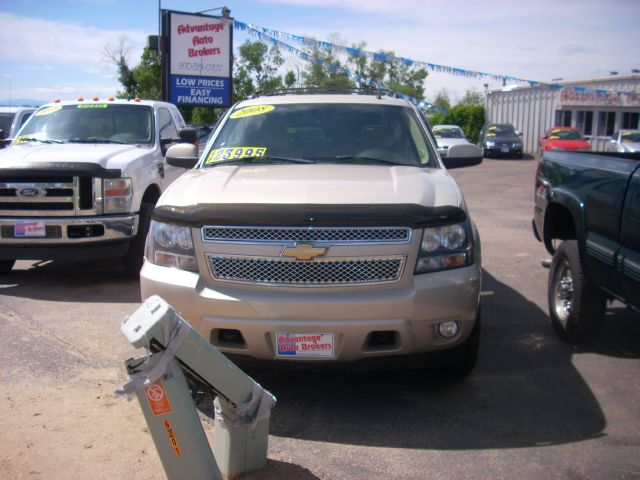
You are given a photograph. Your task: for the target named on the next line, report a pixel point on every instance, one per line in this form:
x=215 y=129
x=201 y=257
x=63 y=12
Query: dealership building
x=598 y=107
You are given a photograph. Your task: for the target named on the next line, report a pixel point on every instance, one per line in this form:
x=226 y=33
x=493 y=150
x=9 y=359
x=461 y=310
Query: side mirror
x=464 y=155
x=182 y=155
x=519 y=133
x=189 y=135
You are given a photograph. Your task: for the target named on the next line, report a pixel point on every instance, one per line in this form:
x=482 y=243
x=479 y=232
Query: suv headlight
x=443 y=248
x=490 y=143
x=117 y=195
x=171 y=245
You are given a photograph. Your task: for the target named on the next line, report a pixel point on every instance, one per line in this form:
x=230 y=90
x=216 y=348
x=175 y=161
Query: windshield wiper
x=41 y=140
x=93 y=140
x=257 y=159
x=369 y=160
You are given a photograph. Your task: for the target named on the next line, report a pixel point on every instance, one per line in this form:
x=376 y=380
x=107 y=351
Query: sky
x=54 y=48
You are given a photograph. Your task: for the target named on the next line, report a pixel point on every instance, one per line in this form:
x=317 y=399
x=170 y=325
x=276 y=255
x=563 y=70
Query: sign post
x=198 y=67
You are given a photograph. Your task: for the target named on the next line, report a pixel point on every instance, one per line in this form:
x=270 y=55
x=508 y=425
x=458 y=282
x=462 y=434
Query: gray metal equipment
x=179 y=358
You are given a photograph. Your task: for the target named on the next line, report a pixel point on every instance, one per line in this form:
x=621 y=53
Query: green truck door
x=629 y=256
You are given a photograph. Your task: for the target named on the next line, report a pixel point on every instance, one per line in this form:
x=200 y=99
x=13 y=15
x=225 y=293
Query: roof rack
x=323 y=90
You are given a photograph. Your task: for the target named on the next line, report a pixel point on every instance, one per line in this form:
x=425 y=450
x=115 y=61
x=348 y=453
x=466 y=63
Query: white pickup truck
x=81 y=178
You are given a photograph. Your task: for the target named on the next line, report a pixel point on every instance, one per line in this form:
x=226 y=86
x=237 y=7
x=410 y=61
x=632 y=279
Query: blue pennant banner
x=274 y=37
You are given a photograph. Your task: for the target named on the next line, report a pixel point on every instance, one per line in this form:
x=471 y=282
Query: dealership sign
x=199 y=59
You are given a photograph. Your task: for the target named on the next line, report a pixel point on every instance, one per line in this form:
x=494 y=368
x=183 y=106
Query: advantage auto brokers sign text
x=200 y=60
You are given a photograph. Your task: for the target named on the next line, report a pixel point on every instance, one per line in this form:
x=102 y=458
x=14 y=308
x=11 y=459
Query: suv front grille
x=332 y=235
x=334 y=271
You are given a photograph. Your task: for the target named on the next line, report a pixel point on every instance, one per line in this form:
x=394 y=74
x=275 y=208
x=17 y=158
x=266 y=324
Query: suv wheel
x=576 y=307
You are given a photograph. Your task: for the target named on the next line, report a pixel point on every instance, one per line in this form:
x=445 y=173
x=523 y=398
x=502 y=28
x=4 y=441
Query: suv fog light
x=448 y=329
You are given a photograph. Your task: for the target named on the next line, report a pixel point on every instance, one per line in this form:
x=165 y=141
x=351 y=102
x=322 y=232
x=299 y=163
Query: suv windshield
x=501 y=131
x=447 y=132
x=90 y=123
x=559 y=134
x=323 y=132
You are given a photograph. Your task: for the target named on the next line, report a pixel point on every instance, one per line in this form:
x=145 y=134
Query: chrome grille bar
x=318 y=235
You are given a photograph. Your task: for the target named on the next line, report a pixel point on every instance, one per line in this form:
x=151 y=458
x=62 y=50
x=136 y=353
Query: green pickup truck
x=587 y=213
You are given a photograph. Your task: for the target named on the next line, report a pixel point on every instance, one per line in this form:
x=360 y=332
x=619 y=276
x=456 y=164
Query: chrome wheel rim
x=563 y=293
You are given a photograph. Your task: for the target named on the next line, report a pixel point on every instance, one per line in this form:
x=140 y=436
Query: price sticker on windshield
x=235 y=153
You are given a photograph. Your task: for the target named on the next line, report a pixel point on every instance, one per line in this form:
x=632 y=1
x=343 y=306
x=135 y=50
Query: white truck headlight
x=171 y=245
x=444 y=247
x=117 y=195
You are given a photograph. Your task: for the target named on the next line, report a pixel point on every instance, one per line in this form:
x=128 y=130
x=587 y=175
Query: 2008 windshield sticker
x=251 y=111
x=235 y=153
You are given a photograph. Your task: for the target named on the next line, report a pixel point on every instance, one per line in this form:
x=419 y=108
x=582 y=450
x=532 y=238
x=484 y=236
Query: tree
x=143 y=80
x=391 y=73
x=326 y=71
x=469 y=117
x=442 y=101
x=119 y=55
x=257 y=69
x=147 y=75
x=473 y=97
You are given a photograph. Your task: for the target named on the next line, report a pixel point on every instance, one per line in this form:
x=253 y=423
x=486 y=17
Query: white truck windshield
x=90 y=123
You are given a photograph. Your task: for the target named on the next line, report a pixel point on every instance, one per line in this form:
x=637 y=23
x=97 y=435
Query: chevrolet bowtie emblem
x=304 y=251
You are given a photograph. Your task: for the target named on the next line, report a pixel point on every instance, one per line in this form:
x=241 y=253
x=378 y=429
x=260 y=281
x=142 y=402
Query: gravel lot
x=534 y=408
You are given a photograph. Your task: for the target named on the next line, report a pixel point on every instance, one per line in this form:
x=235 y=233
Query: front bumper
x=502 y=150
x=67 y=237
x=71 y=230
x=351 y=315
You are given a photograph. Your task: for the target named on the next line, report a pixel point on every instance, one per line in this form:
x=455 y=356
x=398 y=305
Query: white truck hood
x=108 y=156
x=314 y=184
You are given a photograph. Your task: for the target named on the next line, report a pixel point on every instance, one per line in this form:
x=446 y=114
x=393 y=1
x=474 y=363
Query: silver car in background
x=447 y=135
x=625 y=141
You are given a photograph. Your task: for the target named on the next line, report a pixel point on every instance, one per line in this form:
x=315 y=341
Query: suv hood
x=319 y=184
x=108 y=156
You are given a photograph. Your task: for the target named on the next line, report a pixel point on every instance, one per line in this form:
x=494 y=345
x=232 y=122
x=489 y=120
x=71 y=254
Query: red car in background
x=563 y=138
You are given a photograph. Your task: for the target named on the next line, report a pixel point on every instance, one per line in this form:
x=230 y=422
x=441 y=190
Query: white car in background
x=447 y=135
x=625 y=141
x=11 y=119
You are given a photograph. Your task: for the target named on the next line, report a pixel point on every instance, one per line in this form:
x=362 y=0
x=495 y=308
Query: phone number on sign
x=198 y=67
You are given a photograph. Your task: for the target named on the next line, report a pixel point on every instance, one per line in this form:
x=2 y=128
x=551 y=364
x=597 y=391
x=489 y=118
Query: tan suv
x=321 y=228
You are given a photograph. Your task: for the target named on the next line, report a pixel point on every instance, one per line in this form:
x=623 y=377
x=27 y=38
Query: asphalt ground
x=533 y=408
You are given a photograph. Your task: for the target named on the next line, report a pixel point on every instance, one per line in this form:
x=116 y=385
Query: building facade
x=598 y=107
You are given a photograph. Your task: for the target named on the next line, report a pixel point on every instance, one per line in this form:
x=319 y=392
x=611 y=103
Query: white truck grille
x=58 y=195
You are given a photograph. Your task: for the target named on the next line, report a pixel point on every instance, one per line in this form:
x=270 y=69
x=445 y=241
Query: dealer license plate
x=29 y=229
x=306 y=345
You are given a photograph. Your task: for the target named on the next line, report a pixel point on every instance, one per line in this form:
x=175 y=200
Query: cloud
x=47 y=94
x=576 y=49
x=35 y=41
